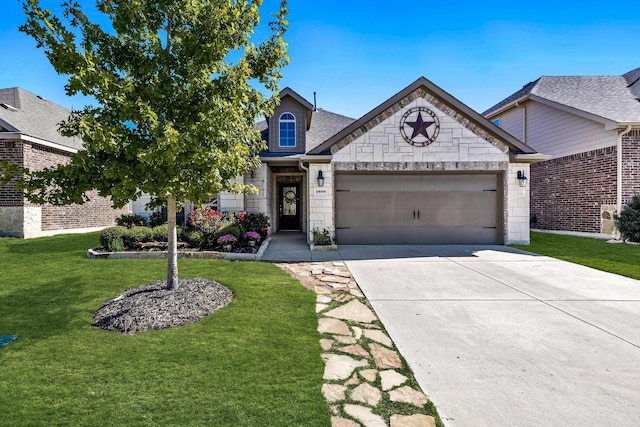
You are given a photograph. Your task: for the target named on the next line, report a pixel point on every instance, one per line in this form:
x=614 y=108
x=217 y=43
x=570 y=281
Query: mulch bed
x=152 y=306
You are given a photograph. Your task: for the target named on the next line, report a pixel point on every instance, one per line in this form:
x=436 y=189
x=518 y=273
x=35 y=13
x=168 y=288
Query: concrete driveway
x=499 y=337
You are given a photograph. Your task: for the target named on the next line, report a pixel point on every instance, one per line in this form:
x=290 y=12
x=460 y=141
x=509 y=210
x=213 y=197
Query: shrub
x=112 y=238
x=257 y=222
x=134 y=236
x=160 y=233
x=227 y=239
x=131 y=220
x=628 y=222
x=322 y=236
x=157 y=218
x=205 y=219
x=194 y=238
x=251 y=235
x=229 y=229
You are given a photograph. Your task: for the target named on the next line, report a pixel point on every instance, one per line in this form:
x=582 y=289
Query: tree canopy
x=178 y=86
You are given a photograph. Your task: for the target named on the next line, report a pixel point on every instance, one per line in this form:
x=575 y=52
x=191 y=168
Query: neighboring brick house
x=420 y=168
x=29 y=138
x=590 y=125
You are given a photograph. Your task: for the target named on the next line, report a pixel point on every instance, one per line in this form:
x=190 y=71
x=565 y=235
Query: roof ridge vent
x=8 y=107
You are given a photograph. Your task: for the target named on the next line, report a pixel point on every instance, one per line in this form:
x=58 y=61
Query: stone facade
x=457 y=149
x=321 y=200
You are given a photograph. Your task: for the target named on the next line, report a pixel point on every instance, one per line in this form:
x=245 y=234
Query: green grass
x=255 y=362
x=620 y=259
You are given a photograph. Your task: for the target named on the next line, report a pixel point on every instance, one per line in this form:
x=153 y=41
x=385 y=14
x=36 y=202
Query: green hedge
x=112 y=238
x=136 y=235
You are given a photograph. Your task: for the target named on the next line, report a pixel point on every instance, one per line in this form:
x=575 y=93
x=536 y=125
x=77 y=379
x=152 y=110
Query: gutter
x=619 y=167
x=509 y=106
x=21 y=137
x=528 y=158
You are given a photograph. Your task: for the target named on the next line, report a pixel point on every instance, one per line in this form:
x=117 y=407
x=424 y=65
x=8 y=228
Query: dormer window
x=287 y=130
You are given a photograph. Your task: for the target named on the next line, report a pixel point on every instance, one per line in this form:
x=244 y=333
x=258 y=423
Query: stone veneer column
x=232 y=202
x=11 y=221
x=321 y=199
x=517 y=208
x=257 y=203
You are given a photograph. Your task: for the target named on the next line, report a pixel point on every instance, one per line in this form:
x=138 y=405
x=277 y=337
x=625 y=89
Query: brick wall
x=12 y=152
x=630 y=165
x=97 y=212
x=567 y=193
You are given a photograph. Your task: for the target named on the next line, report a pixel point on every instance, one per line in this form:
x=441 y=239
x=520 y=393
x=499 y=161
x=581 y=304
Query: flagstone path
x=367 y=382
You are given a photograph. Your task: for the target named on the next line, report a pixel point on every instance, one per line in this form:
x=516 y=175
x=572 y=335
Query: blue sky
x=357 y=54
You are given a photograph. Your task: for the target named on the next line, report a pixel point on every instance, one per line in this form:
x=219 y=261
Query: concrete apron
x=498 y=337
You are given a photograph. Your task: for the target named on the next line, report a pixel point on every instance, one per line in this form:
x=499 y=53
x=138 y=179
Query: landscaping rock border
x=94 y=253
x=367 y=382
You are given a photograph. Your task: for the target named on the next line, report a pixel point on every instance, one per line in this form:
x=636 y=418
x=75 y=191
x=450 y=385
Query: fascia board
x=608 y=123
x=22 y=137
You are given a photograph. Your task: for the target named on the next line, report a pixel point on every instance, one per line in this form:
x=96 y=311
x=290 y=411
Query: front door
x=289 y=207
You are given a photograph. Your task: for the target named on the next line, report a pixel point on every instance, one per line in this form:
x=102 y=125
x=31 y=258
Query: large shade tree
x=178 y=86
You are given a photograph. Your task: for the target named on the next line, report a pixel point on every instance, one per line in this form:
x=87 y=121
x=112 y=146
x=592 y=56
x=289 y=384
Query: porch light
x=522 y=180
x=320 y=179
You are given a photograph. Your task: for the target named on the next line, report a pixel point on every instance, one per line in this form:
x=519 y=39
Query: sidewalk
x=291 y=246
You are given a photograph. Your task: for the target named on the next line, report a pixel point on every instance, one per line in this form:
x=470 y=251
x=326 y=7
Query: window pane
x=287 y=130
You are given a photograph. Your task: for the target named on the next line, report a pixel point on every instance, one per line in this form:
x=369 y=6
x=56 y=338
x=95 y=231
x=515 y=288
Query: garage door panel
x=415 y=236
x=417 y=209
x=362 y=208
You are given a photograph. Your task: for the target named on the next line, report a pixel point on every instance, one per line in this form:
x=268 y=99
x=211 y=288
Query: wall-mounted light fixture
x=253 y=173
x=320 y=179
x=522 y=180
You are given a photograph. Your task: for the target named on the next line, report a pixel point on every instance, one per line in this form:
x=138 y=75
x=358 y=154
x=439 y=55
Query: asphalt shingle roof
x=611 y=97
x=26 y=113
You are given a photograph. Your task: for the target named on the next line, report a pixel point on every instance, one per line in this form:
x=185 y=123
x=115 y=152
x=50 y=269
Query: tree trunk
x=172 y=256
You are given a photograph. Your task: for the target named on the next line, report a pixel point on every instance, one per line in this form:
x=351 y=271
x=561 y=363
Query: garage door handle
x=491 y=227
x=414 y=214
x=418 y=214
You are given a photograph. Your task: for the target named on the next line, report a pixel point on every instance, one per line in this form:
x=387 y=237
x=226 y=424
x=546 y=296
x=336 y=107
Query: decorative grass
x=623 y=259
x=255 y=362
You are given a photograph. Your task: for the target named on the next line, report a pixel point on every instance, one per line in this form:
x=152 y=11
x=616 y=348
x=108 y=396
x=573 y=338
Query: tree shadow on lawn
x=45 y=309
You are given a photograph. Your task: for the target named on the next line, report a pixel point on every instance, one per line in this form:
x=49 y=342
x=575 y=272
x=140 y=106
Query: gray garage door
x=418 y=209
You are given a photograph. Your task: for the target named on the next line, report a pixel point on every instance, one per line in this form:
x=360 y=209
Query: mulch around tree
x=152 y=306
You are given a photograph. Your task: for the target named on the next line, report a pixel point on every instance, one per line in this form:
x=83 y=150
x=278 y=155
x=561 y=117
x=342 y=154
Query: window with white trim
x=287 y=130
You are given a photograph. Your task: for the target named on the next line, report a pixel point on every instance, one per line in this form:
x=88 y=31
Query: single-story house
x=590 y=126
x=420 y=168
x=29 y=137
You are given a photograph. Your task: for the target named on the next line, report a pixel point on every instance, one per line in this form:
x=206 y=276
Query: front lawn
x=255 y=362
x=623 y=259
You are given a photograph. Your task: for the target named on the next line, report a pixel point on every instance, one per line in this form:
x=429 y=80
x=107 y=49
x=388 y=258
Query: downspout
x=619 y=168
x=301 y=166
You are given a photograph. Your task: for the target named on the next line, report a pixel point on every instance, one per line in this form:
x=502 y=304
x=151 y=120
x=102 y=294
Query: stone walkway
x=367 y=382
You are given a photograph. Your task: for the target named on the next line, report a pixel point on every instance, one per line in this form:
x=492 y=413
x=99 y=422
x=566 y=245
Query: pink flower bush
x=227 y=239
x=251 y=235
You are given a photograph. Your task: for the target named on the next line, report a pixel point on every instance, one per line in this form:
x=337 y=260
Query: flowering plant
x=227 y=239
x=205 y=219
x=251 y=235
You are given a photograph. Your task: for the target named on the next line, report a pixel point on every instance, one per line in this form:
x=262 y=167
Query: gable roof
x=324 y=124
x=613 y=98
x=287 y=91
x=25 y=113
x=448 y=100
